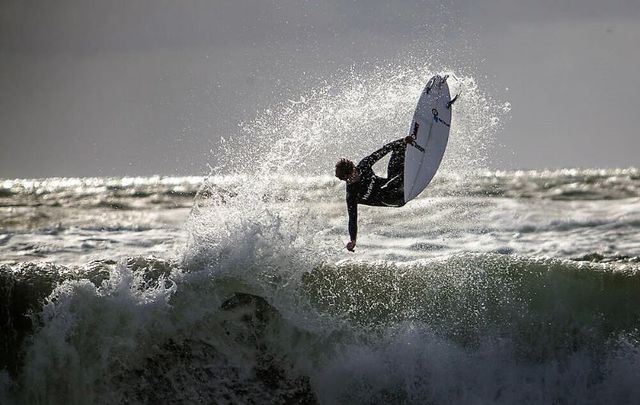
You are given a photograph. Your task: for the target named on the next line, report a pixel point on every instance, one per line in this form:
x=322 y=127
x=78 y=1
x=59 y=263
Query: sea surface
x=492 y=287
x=525 y=288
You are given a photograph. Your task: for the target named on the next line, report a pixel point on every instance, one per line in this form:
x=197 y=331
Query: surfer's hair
x=344 y=168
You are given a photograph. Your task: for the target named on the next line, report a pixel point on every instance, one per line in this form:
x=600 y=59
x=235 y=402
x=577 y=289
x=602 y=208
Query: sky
x=142 y=87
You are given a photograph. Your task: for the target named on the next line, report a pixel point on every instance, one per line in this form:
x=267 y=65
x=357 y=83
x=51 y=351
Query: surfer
x=365 y=187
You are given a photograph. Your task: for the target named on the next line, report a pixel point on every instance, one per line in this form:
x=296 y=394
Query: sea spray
x=354 y=114
x=351 y=116
x=87 y=330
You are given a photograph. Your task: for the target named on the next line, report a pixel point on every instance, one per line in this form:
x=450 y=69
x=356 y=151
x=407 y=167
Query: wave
x=491 y=327
x=100 y=192
x=605 y=258
x=178 y=192
x=561 y=184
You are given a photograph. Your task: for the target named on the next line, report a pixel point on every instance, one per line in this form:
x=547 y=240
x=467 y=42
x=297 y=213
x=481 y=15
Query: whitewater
x=492 y=287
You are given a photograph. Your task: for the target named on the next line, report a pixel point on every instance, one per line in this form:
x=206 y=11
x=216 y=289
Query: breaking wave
x=487 y=328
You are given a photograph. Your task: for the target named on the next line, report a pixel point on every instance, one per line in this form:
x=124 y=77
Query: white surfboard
x=430 y=130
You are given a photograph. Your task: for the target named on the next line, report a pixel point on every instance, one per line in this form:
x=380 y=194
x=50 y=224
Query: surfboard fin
x=453 y=100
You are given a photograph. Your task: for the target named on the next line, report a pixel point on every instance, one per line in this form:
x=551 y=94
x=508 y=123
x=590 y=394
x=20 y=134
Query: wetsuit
x=375 y=190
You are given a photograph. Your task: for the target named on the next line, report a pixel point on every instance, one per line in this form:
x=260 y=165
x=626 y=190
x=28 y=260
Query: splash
x=356 y=113
x=348 y=116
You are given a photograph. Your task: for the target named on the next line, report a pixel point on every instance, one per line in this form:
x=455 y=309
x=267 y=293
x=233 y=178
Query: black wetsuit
x=375 y=190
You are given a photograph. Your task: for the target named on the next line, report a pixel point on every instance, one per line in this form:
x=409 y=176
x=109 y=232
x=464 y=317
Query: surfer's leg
x=395 y=183
x=396 y=164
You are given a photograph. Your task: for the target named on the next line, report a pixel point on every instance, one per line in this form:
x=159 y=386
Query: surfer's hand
x=408 y=139
x=351 y=245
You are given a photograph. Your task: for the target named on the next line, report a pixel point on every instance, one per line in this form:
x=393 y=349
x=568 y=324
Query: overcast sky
x=140 y=87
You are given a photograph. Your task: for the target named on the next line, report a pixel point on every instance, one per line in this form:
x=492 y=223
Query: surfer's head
x=346 y=170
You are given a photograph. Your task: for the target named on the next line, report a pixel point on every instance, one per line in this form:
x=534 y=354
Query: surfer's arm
x=370 y=160
x=352 y=210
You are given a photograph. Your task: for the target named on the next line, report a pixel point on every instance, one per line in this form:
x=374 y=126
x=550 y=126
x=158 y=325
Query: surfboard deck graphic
x=430 y=131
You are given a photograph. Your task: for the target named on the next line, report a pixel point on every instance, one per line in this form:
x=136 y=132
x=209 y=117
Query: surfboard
x=430 y=131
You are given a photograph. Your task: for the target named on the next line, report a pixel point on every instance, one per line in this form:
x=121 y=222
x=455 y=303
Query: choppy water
x=525 y=288
x=492 y=287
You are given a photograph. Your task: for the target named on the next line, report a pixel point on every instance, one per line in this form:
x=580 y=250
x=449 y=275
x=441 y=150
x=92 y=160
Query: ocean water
x=491 y=287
